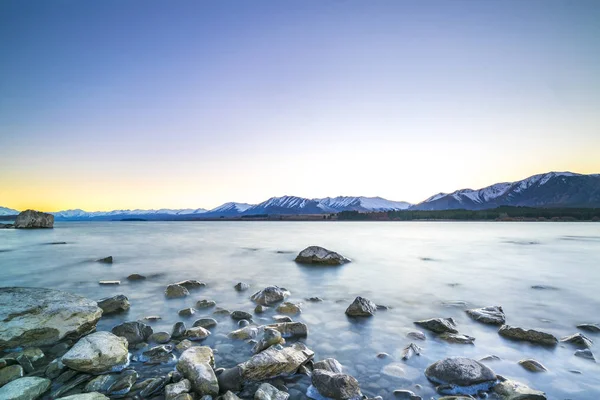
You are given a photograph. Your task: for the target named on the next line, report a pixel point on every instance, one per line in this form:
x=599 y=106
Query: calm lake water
x=419 y=269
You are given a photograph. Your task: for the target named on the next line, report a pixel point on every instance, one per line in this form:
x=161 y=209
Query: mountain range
x=552 y=189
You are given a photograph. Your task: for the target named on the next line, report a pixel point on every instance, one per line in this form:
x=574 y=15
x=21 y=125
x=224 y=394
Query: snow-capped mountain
x=79 y=214
x=361 y=203
x=7 y=211
x=286 y=205
x=552 y=189
x=230 y=209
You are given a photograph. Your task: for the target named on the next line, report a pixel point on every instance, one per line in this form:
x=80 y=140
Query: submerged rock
x=529 y=335
x=98 y=353
x=532 y=365
x=459 y=375
x=205 y=323
x=36 y=317
x=196 y=364
x=578 y=340
x=361 y=307
x=205 y=304
x=594 y=328
x=270 y=295
x=416 y=335
x=115 y=304
x=197 y=333
x=288 y=308
x=31 y=219
x=438 y=325
x=238 y=315
x=176 y=291
x=456 y=338
x=241 y=286
x=190 y=284
x=134 y=331
x=321 y=256
x=488 y=315
x=512 y=390
x=28 y=388
x=105 y=260
x=335 y=385
x=275 y=361
x=136 y=277
x=158 y=355
x=113 y=384
x=411 y=350
x=587 y=354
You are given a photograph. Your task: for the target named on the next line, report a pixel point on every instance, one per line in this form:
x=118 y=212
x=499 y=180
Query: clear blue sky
x=149 y=104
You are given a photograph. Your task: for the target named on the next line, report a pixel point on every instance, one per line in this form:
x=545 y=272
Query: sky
x=111 y=104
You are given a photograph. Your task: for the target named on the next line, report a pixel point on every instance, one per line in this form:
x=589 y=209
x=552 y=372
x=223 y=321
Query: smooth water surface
x=419 y=269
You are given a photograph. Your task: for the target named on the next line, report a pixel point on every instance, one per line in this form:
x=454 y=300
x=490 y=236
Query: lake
x=418 y=269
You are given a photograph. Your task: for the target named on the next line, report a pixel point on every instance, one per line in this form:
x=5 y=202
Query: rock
x=530 y=335
x=243 y=322
x=458 y=375
x=291 y=329
x=544 y=287
x=490 y=358
x=196 y=364
x=383 y=355
x=230 y=379
x=314 y=299
x=512 y=390
x=10 y=373
x=105 y=260
x=237 y=315
x=85 y=396
x=594 y=328
x=288 y=308
x=158 y=355
x=335 y=385
x=98 y=353
x=134 y=331
x=361 y=307
x=270 y=392
x=282 y=318
x=54 y=369
x=275 y=361
x=178 y=330
x=31 y=219
x=36 y=317
x=205 y=304
x=187 y=396
x=230 y=396
x=418 y=335
x=532 y=365
x=28 y=388
x=587 y=354
x=456 y=338
x=578 y=340
x=66 y=387
x=259 y=309
x=176 y=291
x=406 y=395
x=321 y=256
x=184 y=345
x=136 y=277
x=270 y=295
x=438 y=325
x=113 y=384
x=488 y=315
x=241 y=286
x=409 y=351
x=190 y=284
x=270 y=337
x=160 y=337
x=115 y=304
x=197 y=333
x=329 y=364
x=206 y=323
x=109 y=283
x=245 y=333
x=175 y=389
x=154 y=386
x=186 y=312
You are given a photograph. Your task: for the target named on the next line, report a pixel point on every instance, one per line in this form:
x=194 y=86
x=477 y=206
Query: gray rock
x=159 y=355
x=361 y=307
x=28 y=388
x=197 y=333
x=134 y=331
x=586 y=353
x=411 y=350
x=178 y=330
x=529 y=335
x=321 y=256
x=512 y=390
x=196 y=364
x=205 y=304
x=282 y=318
x=154 y=387
x=186 y=312
x=31 y=219
x=259 y=309
x=231 y=379
x=270 y=337
x=206 y=323
x=243 y=322
x=241 y=286
x=458 y=375
x=594 y=328
x=418 y=335
x=184 y=345
x=105 y=260
x=10 y=373
x=578 y=340
x=532 y=365
x=136 y=277
x=85 y=396
x=490 y=358
x=269 y=392
x=221 y=311
x=456 y=338
x=191 y=284
x=406 y=395
x=270 y=295
x=291 y=329
x=79 y=379
x=245 y=333
x=237 y=315
x=36 y=317
x=289 y=308
x=175 y=389
x=230 y=396
x=329 y=364
x=113 y=384
x=98 y=353
x=335 y=385
x=438 y=325
x=176 y=291
x=160 y=337
x=488 y=315
x=275 y=361
x=115 y=304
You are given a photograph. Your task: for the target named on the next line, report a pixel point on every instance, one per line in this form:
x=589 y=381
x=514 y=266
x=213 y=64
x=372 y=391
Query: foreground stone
x=98 y=353
x=10 y=373
x=36 y=317
x=458 y=375
x=329 y=364
x=578 y=340
x=335 y=385
x=532 y=365
x=321 y=256
x=196 y=364
x=28 y=388
x=438 y=325
x=115 y=304
x=594 y=328
x=457 y=338
x=85 y=396
x=488 y=315
x=512 y=390
x=586 y=353
x=113 y=384
x=270 y=295
x=361 y=307
x=269 y=392
x=175 y=389
x=270 y=337
x=176 y=291
x=291 y=329
x=530 y=335
x=31 y=219
x=134 y=331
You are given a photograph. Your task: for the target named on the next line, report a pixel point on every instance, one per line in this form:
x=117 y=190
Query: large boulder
x=488 y=315
x=31 y=219
x=458 y=375
x=529 y=335
x=134 y=331
x=361 y=307
x=321 y=256
x=275 y=361
x=270 y=295
x=98 y=353
x=36 y=317
x=196 y=364
x=28 y=388
x=512 y=390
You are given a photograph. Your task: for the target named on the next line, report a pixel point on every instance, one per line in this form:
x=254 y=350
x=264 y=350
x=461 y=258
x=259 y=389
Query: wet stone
x=411 y=350
x=418 y=335
x=586 y=353
x=241 y=286
x=186 y=312
x=282 y=318
x=530 y=335
x=191 y=284
x=488 y=315
x=438 y=325
x=457 y=338
x=176 y=291
x=134 y=331
x=206 y=323
x=578 y=340
x=178 y=330
x=205 y=304
x=136 y=277
x=238 y=315
x=361 y=307
x=532 y=365
x=594 y=328
x=160 y=337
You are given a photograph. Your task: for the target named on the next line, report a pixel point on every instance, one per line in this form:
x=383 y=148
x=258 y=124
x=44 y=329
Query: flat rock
x=530 y=335
x=196 y=364
x=176 y=291
x=191 y=284
x=113 y=384
x=115 y=304
x=270 y=295
x=85 y=396
x=275 y=361
x=488 y=315
x=28 y=388
x=109 y=283
x=532 y=365
x=438 y=325
x=320 y=256
x=288 y=308
x=578 y=340
x=594 y=328
x=31 y=219
x=36 y=317
x=459 y=375
x=291 y=329
x=361 y=307
x=457 y=338
x=134 y=331
x=335 y=385
x=512 y=390
x=269 y=392
x=98 y=353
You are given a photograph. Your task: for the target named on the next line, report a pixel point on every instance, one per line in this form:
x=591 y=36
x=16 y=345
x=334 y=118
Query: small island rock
x=321 y=256
x=31 y=219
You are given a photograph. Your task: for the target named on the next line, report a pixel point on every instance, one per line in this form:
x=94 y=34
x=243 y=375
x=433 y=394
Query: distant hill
x=7 y=211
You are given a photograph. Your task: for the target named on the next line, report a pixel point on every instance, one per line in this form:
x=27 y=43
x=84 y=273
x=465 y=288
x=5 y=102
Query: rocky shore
x=50 y=349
